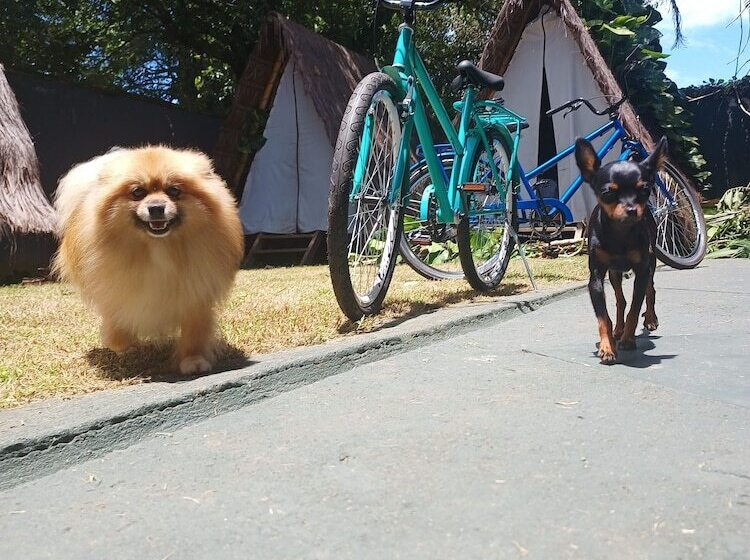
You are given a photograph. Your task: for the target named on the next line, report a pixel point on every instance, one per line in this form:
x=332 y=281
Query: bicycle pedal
x=474 y=187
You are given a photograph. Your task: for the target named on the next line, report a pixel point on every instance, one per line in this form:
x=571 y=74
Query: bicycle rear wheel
x=428 y=246
x=364 y=230
x=485 y=242
x=680 y=228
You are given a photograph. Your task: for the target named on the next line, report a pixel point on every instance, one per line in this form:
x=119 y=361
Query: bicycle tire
x=487 y=275
x=681 y=235
x=413 y=241
x=353 y=303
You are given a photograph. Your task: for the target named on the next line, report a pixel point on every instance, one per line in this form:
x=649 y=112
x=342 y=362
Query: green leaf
x=722 y=254
x=622 y=31
x=654 y=54
x=620 y=21
x=441 y=258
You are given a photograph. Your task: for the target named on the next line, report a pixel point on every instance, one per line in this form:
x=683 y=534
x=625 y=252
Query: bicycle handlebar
x=413 y=4
x=576 y=104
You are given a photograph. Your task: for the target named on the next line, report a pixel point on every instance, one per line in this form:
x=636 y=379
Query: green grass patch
x=50 y=347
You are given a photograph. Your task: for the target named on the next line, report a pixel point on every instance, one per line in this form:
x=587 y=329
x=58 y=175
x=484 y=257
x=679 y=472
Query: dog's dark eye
x=138 y=193
x=173 y=192
x=643 y=189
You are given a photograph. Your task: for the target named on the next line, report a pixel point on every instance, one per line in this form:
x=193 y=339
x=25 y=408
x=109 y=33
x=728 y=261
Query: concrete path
x=507 y=442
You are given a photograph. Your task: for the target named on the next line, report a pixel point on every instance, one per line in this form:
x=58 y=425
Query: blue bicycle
x=431 y=248
x=475 y=206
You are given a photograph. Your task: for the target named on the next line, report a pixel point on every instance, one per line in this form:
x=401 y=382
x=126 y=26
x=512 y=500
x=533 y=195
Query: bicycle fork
x=399 y=170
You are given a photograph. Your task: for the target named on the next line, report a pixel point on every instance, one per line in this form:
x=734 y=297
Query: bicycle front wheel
x=364 y=227
x=485 y=241
x=680 y=227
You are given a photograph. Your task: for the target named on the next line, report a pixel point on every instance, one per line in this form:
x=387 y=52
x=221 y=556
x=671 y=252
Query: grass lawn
x=49 y=341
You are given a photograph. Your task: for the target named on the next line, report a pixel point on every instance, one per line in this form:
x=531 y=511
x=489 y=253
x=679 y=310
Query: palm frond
x=679 y=38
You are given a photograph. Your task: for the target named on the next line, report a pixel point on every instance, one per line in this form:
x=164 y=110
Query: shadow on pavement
x=638 y=358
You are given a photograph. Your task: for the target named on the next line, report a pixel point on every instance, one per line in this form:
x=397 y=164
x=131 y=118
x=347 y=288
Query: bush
x=729 y=228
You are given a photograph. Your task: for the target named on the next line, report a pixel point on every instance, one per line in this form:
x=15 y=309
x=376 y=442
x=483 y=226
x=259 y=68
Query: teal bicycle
x=370 y=172
x=476 y=205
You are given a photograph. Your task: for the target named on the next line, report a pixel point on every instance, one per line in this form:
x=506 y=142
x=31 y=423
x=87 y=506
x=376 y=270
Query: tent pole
x=265 y=99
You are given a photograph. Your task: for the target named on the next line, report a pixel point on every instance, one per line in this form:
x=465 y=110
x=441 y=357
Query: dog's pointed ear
x=587 y=159
x=655 y=161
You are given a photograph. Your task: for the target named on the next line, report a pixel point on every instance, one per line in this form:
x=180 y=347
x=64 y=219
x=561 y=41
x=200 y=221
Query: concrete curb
x=44 y=437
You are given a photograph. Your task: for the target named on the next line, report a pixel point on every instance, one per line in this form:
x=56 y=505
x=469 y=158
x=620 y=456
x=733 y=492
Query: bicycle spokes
x=372 y=217
x=677 y=228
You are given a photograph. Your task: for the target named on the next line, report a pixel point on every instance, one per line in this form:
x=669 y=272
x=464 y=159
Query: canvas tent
x=27 y=220
x=302 y=83
x=547 y=58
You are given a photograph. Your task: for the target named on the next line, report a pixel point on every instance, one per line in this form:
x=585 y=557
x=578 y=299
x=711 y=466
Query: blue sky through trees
x=712 y=39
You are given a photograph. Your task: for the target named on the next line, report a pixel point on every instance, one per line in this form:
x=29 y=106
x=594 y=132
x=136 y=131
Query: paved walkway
x=508 y=442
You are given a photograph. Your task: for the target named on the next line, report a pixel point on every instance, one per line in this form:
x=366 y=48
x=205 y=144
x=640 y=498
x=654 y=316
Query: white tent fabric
x=568 y=77
x=287 y=187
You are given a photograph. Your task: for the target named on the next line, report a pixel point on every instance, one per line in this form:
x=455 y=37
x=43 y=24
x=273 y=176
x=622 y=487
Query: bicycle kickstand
x=523 y=257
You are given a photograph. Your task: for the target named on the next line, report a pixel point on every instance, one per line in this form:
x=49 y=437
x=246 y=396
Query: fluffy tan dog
x=152 y=239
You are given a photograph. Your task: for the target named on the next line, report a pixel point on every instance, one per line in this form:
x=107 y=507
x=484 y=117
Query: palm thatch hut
x=547 y=56
x=27 y=220
x=276 y=145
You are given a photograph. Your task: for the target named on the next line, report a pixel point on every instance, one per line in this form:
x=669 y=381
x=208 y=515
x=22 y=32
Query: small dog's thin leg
x=116 y=338
x=196 y=347
x=616 y=279
x=607 y=351
x=627 y=342
x=650 y=320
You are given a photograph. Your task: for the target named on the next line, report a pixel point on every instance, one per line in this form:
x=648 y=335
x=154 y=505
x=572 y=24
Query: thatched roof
x=329 y=72
x=506 y=33
x=25 y=212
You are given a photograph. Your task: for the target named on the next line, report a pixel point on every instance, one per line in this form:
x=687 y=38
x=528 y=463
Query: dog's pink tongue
x=158 y=224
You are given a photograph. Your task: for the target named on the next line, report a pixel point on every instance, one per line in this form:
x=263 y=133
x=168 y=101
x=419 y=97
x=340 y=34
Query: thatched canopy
x=506 y=33
x=329 y=72
x=27 y=220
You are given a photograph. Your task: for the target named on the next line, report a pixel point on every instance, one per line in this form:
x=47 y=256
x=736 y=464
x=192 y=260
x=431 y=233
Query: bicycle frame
x=409 y=71
x=413 y=80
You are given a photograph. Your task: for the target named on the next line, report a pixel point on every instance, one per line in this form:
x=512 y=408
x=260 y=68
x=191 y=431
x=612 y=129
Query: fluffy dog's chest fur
x=155 y=285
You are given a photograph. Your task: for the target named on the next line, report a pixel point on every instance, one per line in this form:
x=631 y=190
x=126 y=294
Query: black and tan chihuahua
x=621 y=236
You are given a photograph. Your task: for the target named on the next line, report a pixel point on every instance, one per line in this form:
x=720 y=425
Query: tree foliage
x=182 y=51
x=444 y=37
x=190 y=52
x=619 y=26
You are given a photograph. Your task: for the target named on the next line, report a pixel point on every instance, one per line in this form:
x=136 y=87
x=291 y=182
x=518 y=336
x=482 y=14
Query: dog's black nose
x=632 y=211
x=156 y=211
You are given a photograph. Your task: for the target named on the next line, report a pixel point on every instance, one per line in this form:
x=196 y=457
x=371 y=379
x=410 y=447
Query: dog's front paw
x=116 y=339
x=192 y=365
x=607 y=353
x=650 y=321
x=607 y=357
x=627 y=344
